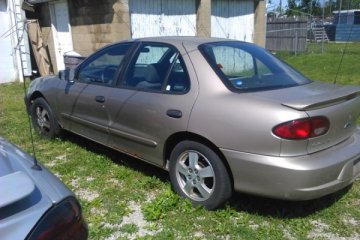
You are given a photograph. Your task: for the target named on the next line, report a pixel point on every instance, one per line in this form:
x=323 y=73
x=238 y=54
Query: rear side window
x=246 y=67
x=178 y=80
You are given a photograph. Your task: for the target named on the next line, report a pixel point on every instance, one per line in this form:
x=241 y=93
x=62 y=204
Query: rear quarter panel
x=236 y=121
x=343 y=124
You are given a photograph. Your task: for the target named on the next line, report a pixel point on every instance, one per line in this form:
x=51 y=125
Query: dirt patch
x=321 y=231
x=136 y=218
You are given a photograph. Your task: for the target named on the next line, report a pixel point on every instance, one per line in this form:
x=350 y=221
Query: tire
x=198 y=173
x=43 y=119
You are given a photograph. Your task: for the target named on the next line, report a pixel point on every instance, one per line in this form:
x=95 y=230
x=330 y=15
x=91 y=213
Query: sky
x=275 y=3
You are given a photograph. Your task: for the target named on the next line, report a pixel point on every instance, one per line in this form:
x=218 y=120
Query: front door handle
x=100 y=99
x=174 y=113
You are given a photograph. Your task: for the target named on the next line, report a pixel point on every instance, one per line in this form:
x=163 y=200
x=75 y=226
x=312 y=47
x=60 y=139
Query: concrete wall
x=95 y=24
x=260 y=22
x=203 y=18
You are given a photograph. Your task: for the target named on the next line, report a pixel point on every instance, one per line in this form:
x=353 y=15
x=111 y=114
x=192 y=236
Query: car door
x=66 y=99
x=90 y=115
x=158 y=75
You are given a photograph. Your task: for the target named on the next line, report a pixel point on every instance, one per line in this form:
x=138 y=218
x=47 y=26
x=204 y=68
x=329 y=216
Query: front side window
x=102 y=67
x=246 y=67
x=157 y=67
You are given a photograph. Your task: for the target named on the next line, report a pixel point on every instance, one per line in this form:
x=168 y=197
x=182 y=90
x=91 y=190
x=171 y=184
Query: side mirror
x=62 y=74
x=67 y=74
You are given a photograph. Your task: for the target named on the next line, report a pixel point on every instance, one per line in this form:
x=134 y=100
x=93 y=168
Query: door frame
x=60 y=65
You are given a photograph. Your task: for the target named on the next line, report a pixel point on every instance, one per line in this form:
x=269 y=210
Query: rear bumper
x=297 y=178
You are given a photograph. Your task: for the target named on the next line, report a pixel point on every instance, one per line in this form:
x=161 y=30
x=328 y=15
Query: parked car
x=34 y=204
x=219 y=115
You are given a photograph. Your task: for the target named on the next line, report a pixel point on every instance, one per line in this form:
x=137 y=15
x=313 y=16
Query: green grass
x=326 y=66
x=125 y=198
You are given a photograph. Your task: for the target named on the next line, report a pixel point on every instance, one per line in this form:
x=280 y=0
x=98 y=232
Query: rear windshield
x=247 y=67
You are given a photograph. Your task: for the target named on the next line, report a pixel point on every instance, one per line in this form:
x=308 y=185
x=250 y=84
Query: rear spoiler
x=334 y=97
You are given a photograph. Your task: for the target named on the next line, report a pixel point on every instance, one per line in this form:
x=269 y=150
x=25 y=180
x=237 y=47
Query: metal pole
x=322 y=42
x=296 y=42
x=339 y=11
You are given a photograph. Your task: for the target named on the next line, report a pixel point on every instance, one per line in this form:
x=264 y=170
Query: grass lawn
x=124 y=198
x=325 y=67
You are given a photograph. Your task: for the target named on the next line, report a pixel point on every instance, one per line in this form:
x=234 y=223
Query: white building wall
x=233 y=19
x=15 y=52
x=151 y=18
x=8 y=71
x=22 y=36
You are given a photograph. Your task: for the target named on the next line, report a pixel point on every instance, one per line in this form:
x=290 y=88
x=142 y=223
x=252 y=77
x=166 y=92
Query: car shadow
x=283 y=208
x=241 y=202
x=116 y=156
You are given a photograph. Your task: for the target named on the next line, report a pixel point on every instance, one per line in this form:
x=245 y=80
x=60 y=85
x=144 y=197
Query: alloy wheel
x=43 y=119
x=195 y=175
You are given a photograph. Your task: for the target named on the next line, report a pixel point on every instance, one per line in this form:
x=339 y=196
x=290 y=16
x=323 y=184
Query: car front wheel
x=198 y=173
x=43 y=118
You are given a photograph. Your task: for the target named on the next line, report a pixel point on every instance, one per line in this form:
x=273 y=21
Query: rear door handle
x=100 y=99
x=174 y=113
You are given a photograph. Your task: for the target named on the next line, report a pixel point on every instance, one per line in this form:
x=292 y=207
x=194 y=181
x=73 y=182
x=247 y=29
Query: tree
x=312 y=7
x=293 y=8
x=349 y=4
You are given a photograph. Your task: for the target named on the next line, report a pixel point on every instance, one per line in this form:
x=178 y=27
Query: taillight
x=63 y=221
x=302 y=128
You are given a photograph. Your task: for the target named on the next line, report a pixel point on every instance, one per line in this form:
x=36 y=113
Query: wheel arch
x=182 y=136
x=35 y=95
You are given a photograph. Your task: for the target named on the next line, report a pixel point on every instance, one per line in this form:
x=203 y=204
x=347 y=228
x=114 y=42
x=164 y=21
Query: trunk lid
x=340 y=104
x=342 y=112
x=332 y=96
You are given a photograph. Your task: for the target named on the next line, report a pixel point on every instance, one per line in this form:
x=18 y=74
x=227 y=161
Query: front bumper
x=297 y=178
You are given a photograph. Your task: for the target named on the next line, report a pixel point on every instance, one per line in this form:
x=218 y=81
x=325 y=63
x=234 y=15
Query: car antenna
x=343 y=53
x=35 y=165
x=19 y=38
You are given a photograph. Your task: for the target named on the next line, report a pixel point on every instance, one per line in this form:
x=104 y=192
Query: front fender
x=45 y=87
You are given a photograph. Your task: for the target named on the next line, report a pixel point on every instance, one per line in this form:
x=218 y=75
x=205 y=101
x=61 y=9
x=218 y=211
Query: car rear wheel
x=198 y=173
x=43 y=119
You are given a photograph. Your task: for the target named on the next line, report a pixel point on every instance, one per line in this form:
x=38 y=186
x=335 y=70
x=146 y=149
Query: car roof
x=182 y=39
x=191 y=42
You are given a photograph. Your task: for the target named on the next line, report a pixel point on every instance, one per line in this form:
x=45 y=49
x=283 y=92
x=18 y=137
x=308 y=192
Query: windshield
x=247 y=67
